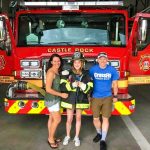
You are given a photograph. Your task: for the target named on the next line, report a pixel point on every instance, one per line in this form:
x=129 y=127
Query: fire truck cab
x=38 y=29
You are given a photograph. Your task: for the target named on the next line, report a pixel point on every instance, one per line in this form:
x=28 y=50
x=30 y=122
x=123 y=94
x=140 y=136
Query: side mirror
x=2 y=30
x=142 y=30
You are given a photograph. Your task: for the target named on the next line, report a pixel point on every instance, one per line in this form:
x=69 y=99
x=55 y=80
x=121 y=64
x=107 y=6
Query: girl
x=78 y=85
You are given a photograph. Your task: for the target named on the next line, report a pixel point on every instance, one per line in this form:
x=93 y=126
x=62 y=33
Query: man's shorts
x=54 y=108
x=103 y=106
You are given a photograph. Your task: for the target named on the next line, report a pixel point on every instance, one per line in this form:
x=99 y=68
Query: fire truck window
x=117 y=32
x=148 y=33
x=71 y=29
x=146 y=43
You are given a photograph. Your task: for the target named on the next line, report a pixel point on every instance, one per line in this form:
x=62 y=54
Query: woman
x=78 y=85
x=53 y=96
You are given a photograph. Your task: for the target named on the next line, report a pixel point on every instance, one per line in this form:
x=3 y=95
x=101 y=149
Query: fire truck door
x=139 y=62
x=6 y=49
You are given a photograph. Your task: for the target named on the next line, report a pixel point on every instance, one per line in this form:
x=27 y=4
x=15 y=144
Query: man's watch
x=115 y=96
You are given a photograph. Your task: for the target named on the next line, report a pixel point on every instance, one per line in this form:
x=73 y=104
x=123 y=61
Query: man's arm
x=115 y=90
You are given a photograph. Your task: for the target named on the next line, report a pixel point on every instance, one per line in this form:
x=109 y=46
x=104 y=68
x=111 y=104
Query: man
x=104 y=80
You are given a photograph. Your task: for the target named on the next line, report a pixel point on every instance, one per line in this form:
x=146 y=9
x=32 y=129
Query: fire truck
x=36 y=30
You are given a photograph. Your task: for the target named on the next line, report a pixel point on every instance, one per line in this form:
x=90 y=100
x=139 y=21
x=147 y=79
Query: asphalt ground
x=29 y=132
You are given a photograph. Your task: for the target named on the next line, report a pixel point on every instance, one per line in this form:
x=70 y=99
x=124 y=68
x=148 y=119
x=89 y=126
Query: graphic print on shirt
x=102 y=76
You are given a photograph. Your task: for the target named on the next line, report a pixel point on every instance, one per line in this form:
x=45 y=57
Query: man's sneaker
x=97 y=138
x=103 y=145
x=76 y=141
x=66 y=140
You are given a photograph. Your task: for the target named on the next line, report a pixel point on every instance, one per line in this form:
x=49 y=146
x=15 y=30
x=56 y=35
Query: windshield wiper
x=57 y=43
x=89 y=43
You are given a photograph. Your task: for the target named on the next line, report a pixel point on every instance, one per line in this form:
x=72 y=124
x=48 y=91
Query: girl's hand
x=75 y=84
x=82 y=86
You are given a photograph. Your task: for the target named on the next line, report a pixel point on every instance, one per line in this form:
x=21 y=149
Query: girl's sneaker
x=66 y=140
x=77 y=141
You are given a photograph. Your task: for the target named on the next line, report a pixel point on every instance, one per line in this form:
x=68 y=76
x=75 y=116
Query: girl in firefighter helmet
x=78 y=85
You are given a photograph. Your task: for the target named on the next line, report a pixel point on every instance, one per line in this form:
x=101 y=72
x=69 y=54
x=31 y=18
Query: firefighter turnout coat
x=77 y=98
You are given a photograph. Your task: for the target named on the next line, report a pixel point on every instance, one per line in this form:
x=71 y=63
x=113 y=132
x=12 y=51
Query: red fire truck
x=38 y=29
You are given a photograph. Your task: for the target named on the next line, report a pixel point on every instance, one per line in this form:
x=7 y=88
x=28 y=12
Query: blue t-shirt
x=102 y=80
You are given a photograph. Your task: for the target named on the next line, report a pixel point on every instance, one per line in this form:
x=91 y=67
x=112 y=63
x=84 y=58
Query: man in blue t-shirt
x=104 y=80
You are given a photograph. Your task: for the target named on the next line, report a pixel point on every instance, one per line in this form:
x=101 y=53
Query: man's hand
x=115 y=99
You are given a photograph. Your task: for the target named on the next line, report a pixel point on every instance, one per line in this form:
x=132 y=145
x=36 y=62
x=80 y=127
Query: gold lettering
x=84 y=50
x=49 y=50
x=66 y=50
x=69 y=49
x=59 y=50
x=91 y=50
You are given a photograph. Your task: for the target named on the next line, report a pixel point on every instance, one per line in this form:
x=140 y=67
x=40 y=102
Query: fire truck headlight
x=25 y=64
x=35 y=63
x=30 y=63
x=115 y=63
x=35 y=74
x=30 y=74
x=25 y=74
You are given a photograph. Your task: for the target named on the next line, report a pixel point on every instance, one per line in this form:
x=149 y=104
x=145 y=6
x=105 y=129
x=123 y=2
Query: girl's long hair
x=51 y=59
x=81 y=69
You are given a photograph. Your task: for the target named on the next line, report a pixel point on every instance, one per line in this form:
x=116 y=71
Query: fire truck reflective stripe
x=122 y=83
x=133 y=101
x=45 y=111
x=37 y=110
x=8 y=104
x=87 y=112
x=15 y=107
x=66 y=105
x=84 y=112
x=120 y=107
x=82 y=106
x=139 y=80
x=26 y=108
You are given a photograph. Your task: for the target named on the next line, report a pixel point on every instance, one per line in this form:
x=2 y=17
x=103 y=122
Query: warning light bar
x=67 y=4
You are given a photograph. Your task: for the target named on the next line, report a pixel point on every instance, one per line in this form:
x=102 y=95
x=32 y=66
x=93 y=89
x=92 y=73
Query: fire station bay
x=105 y=48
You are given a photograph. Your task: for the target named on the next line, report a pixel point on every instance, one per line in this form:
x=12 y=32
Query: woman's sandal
x=58 y=140
x=53 y=145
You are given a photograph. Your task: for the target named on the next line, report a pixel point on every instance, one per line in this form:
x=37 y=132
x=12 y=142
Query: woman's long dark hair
x=50 y=64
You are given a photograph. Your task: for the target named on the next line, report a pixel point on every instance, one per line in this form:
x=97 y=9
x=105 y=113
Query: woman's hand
x=64 y=95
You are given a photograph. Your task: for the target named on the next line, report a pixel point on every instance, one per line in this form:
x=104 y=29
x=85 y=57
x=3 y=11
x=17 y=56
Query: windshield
x=71 y=29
